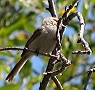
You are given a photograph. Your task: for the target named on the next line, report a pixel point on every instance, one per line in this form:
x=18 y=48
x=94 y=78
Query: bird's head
x=51 y=22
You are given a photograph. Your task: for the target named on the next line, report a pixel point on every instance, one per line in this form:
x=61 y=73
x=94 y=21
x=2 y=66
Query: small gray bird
x=43 y=40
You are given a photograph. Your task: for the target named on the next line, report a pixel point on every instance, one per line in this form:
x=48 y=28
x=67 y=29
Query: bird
x=42 y=40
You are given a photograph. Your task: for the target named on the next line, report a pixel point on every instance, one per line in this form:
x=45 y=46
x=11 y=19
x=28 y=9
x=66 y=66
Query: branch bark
x=81 y=40
x=58 y=84
x=51 y=8
x=88 y=77
x=50 y=66
x=17 y=48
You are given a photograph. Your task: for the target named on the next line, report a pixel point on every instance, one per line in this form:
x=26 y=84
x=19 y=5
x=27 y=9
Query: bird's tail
x=16 y=69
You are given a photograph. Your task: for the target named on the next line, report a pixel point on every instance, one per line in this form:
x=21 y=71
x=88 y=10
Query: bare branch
x=51 y=8
x=58 y=34
x=26 y=49
x=46 y=78
x=65 y=63
x=80 y=37
x=88 y=77
x=50 y=66
x=58 y=84
x=70 y=7
x=56 y=54
x=74 y=76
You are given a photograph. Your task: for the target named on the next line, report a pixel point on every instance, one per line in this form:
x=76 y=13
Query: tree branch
x=70 y=7
x=50 y=66
x=88 y=77
x=26 y=49
x=56 y=54
x=80 y=37
x=51 y=8
x=58 y=84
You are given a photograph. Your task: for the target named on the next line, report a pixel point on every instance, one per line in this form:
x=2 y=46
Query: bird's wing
x=32 y=38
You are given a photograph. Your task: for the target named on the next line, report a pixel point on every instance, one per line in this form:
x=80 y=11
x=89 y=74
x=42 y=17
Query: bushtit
x=43 y=40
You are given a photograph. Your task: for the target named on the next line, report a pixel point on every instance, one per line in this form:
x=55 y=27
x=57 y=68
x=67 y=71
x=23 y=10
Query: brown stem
x=58 y=84
x=51 y=8
x=81 y=40
x=17 y=48
x=50 y=66
x=88 y=77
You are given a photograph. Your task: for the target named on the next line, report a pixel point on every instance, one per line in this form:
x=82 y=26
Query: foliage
x=19 y=18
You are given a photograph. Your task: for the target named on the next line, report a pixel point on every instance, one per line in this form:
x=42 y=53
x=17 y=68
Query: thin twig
x=70 y=7
x=46 y=78
x=59 y=23
x=81 y=40
x=65 y=63
x=69 y=18
x=26 y=49
x=58 y=84
x=74 y=76
x=88 y=77
x=51 y=8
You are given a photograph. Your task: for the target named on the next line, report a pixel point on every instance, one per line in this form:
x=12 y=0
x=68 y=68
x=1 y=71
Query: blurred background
x=19 y=19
